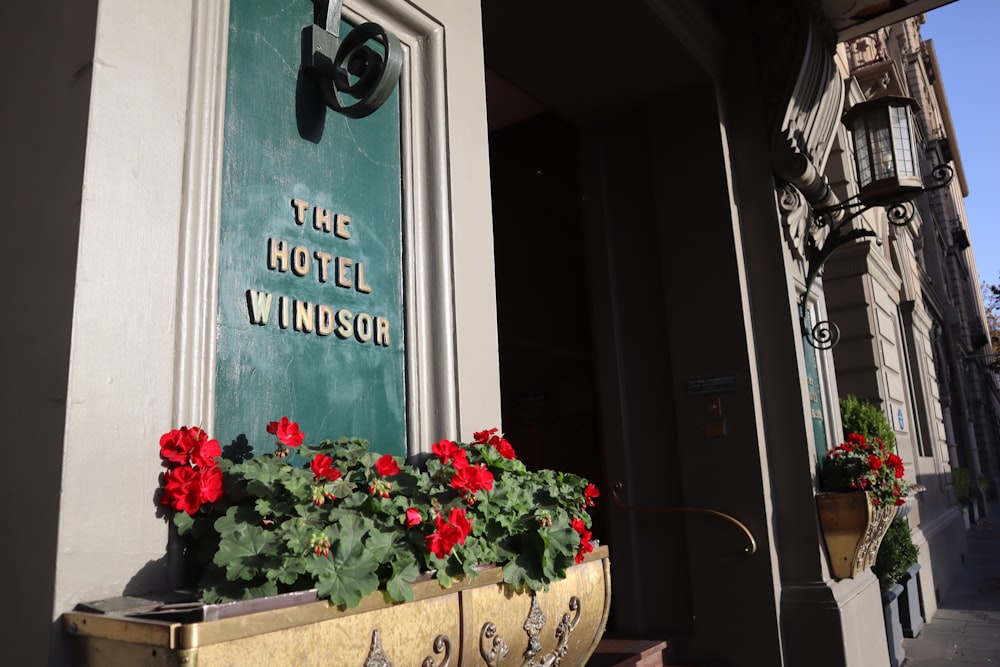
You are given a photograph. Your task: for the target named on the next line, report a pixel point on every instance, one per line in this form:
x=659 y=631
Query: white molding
x=428 y=262
x=198 y=257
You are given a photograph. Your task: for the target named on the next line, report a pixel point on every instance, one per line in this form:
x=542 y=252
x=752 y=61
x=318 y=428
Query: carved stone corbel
x=803 y=94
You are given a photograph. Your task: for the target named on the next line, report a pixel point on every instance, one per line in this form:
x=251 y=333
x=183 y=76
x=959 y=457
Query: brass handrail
x=749 y=551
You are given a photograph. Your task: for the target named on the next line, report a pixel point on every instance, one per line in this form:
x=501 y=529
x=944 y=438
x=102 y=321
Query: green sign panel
x=815 y=395
x=311 y=317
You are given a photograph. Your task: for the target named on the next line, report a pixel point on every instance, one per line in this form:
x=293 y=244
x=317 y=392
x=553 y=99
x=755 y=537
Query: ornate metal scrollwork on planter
x=441 y=645
x=377 y=656
x=493 y=648
x=567 y=624
x=533 y=625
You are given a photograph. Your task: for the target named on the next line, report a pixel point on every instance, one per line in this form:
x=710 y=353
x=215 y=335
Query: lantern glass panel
x=881 y=146
x=905 y=164
x=860 y=134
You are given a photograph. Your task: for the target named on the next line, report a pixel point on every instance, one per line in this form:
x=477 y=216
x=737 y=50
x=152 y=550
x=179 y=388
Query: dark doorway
x=547 y=369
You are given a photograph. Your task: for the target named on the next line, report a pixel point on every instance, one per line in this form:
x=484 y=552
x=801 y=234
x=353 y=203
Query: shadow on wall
x=43 y=166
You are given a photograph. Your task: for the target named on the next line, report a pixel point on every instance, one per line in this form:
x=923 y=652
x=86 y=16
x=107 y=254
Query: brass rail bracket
x=750 y=550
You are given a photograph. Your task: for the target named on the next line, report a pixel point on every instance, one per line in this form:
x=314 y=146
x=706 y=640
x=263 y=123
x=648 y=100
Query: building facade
x=913 y=323
x=603 y=245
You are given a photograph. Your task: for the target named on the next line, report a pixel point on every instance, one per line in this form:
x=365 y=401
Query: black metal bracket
x=351 y=66
x=825 y=334
x=990 y=361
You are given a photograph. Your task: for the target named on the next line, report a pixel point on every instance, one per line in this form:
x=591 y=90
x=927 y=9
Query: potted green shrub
x=961 y=484
x=896 y=557
x=866 y=418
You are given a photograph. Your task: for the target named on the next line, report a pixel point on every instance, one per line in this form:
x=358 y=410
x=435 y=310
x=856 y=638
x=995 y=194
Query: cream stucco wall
x=121 y=373
x=140 y=359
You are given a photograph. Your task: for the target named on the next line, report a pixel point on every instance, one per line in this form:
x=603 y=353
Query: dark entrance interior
x=547 y=370
x=591 y=253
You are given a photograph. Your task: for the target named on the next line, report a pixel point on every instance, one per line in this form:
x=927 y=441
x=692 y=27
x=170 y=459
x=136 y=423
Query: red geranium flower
x=287 y=431
x=896 y=464
x=175 y=445
x=210 y=484
x=874 y=462
x=322 y=468
x=413 y=517
x=590 y=493
x=189 y=445
x=503 y=446
x=855 y=439
x=493 y=437
x=187 y=489
x=446 y=450
x=448 y=533
x=458 y=519
x=483 y=437
x=585 y=546
x=205 y=449
x=471 y=479
x=439 y=544
x=387 y=466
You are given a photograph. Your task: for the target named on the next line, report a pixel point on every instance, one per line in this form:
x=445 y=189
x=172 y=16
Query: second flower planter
x=853 y=529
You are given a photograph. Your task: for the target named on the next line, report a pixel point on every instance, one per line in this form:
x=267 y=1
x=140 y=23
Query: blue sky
x=965 y=35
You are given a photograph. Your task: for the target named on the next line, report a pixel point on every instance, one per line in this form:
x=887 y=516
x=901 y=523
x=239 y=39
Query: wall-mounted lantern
x=888 y=175
x=884 y=150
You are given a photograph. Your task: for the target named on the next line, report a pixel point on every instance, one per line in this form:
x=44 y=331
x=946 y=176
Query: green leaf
x=343 y=581
x=398 y=590
x=287 y=570
x=243 y=552
x=183 y=521
x=266 y=471
x=380 y=545
x=296 y=533
x=404 y=571
x=298 y=485
x=349 y=573
x=236 y=518
x=342 y=487
x=264 y=507
x=525 y=570
x=443 y=578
